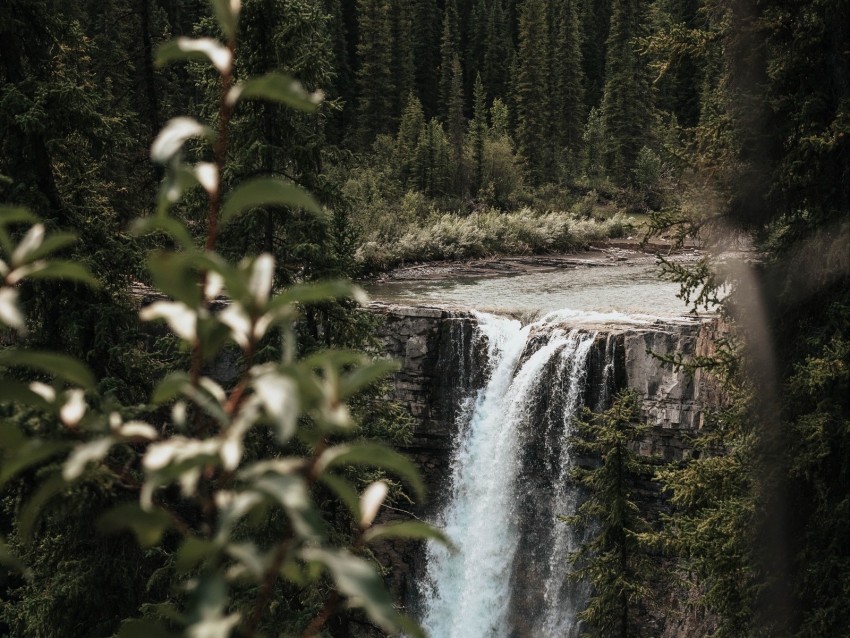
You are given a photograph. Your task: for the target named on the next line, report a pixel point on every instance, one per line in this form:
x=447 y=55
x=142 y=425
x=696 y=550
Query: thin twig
x=269 y=580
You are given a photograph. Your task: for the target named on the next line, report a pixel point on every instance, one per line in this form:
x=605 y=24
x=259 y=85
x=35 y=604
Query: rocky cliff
x=442 y=362
x=437 y=368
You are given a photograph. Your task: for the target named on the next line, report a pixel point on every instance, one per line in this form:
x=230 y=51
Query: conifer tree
x=375 y=81
x=476 y=43
x=567 y=89
x=532 y=91
x=402 y=55
x=498 y=52
x=499 y=119
x=595 y=24
x=614 y=560
x=426 y=53
x=456 y=122
x=410 y=131
x=478 y=130
x=626 y=102
x=280 y=31
x=594 y=145
x=678 y=87
x=449 y=49
x=433 y=160
x=344 y=84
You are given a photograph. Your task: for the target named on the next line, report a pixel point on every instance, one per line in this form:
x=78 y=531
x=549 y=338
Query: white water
x=467 y=594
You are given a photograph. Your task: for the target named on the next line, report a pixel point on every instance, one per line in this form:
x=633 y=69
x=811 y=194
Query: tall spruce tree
x=498 y=52
x=478 y=130
x=410 y=131
x=614 y=561
x=595 y=25
x=567 y=89
x=376 y=89
x=456 y=125
x=450 y=47
x=426 y=54
x=403 y=71
x=532 y=91
x=627 y=99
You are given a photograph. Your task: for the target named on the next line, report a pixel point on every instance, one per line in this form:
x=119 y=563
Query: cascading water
x=510 y=481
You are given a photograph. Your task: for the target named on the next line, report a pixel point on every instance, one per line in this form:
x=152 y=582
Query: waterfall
x=509 y=483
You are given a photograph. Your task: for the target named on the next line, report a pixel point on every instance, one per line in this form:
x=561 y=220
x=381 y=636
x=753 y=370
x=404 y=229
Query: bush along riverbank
x=443 y=235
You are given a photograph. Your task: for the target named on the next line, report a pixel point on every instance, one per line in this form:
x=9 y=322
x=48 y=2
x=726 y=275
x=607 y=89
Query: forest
x=188 y=181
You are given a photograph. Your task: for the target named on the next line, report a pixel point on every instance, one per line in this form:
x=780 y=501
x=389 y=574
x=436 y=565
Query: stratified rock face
x=440 y=366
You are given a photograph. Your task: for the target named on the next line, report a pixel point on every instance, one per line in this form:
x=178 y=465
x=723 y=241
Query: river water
x=606 y=293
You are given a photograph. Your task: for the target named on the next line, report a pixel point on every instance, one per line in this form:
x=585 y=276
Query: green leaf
x=174 y=135
x=13 y=215
x=410 y=627
x=176 y=275
x=277 y=87
x=84 y=453
x=52 y=363
x=203 y=49
x=250 y=557
x=51 y=244
x=374 y=455
x=16 y=215
x=227 y=15
x=292 y=493
x=357 y=579
x=170 y=387
x=365 y=375
x=344 y=490
x=316 y=292
x=267 y=191
x=167 y=225
x=407 y=529
x=148 y=526
x=31 y=511
x=192 y=552
x=16 y=392
x=11 y=436
x=67 y=270
x=33 y=452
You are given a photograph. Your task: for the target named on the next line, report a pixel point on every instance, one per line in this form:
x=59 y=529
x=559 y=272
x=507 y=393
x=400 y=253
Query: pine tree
x=433 y=160
x=532 y=91
x=344 y=87
x=410 y=131
x=403 y=70
x=498 y=52
x=567 y=90
x=595 y=25
x=594 y=146
x=269 y=139
x=627 y=99
x=478 y=131
x=426 y=53
x=449 y=49
x=455 y=121
x=476 y=44
x=679 y=85
x=375 y=82
x=614 y=561
x=499 y=119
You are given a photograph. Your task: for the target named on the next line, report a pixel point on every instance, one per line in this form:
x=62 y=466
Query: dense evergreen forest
x=445 y=129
